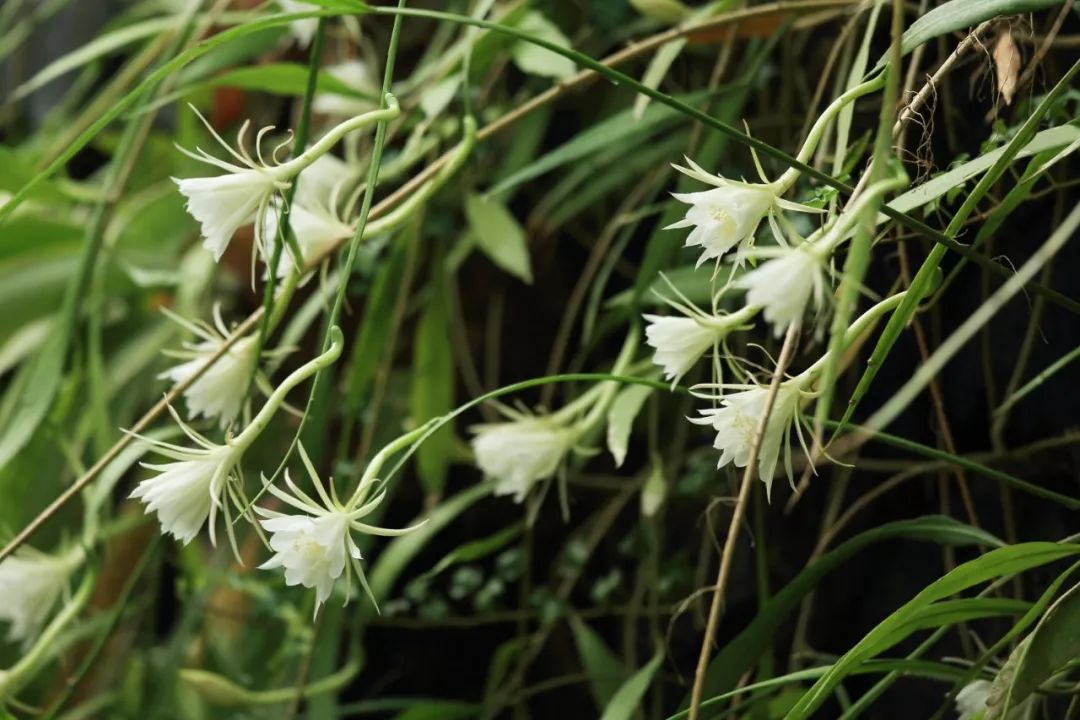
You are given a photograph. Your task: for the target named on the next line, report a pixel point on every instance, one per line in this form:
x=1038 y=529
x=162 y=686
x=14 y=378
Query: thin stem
x=728 y=553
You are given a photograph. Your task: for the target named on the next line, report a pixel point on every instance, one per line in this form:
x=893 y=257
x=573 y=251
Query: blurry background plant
x=537 y=252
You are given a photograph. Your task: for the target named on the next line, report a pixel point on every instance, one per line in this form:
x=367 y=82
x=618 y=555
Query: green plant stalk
x=858 y=259
x=822 y=124
x=221 y=691
x=313 y=367
x=272 y=313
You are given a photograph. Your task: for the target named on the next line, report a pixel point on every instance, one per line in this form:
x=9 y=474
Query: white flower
x=736 y=421
x=312 y=550
x=316 y=548
x=971 y=700
x=220 y=391
x=321 y=183
x=724 y=217
x=518 y=453
x=302 y=30
x=192 y=488
x=30 y=584
x=785 y=285
x=316 y=229
x=224 y=203
x=356 y=75
x=679 y=342
x=727 y=216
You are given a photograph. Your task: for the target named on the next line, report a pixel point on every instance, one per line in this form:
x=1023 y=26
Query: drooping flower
x=356 y=75
x=726 y=217
x=316 y=547
x=204 y=479
x=193 y=487
x=317 y=229
x=224 y=203
x=681 y=341
x=30 y=584
x=971 y=700
x=736 y=422
x=219 y=392
x=518 y=453
x=785 y=285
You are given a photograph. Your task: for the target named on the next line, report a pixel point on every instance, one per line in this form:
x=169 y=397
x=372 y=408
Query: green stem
x=260 y=421
x=817 y=131
x=857 y=328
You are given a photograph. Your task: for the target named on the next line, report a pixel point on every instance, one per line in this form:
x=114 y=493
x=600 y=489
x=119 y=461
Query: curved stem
x=259 y=423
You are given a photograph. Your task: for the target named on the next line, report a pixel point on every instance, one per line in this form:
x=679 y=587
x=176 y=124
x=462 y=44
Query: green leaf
x=620 y=419
x=938 y=185
x=1002 y=562
x=628 y=699
x=400 y=551
x=499 y=235
x=536 y=60
x=658 y=67
x=605 y=670
x=1053 y=644
x=960 y=15
x=433 y=381
x=739 y=655
x=477 y=549
x=618 y=130
x=278 y=79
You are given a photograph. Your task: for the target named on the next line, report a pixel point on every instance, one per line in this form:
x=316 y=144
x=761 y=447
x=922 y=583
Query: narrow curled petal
x=518 y=453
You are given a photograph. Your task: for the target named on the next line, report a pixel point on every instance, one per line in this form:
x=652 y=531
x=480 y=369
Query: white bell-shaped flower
x=316 y=548
x=219 y=392
x=786 y=285
x=728 y=216
x=679 y=342
x=224 y=203
x=736 y=421
x=30 y=584
x=192 y=488
x=518 y=453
